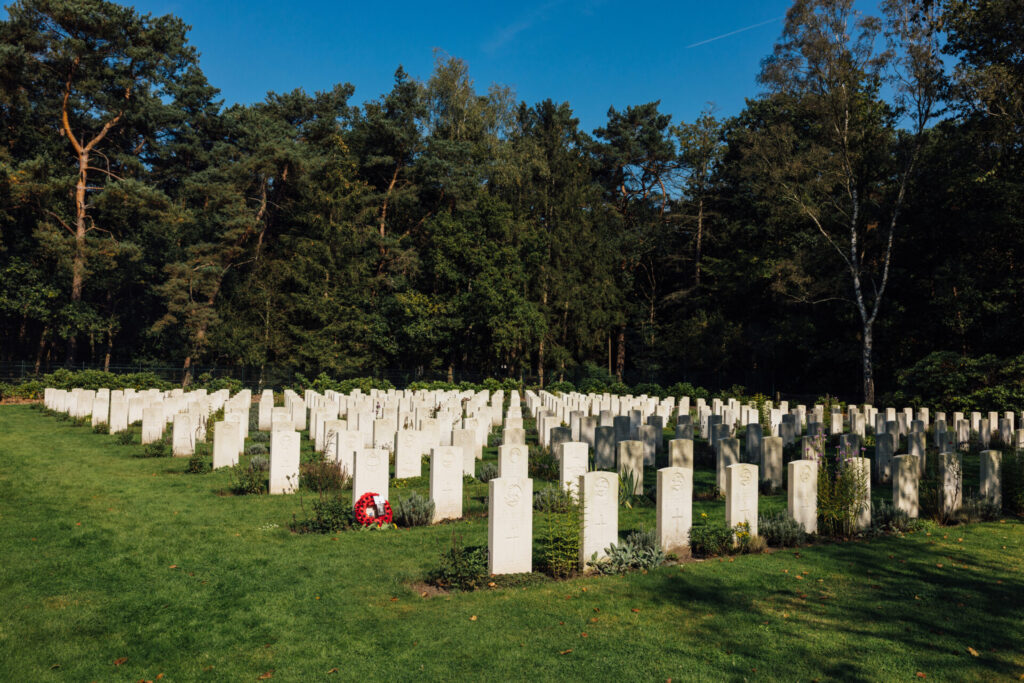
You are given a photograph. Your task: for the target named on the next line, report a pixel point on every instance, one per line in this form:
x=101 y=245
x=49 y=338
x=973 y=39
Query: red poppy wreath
x=367 y=512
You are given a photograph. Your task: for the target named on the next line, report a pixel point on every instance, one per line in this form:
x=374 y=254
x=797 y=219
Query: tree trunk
x=186 y=377
x=620 y=361
x=110 y=348
x=540 y=363
x=869 y=377
x=42 y=347
x=700 y=240
x=451 y=373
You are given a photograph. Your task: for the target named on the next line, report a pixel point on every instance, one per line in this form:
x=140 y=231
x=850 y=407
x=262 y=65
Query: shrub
x=125 y=438
x=639 y=550
x=1013 y=482
x=560 y=387
x=197 y=464
x=256 y=449
x=413 y=510
x=842 y=488
x=487 y=471
x=978 y=510
x=323 y=475
x=100 y=429
x=250 y=478
x=542 y=465
x=746 y=542
x=257 y=436
x=552 y=499
x=707 y=539
x=157 y=449
x=330 y=514
x=627 y=488
x=650 y=389
x=781 y=530
x=559 y=540
x=886 y=517
x=462 y=567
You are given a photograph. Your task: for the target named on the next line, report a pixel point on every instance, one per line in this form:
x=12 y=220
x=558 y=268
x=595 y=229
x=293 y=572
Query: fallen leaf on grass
x=473 y=618
x=55 y=666
x=392 y=599
x=423 y=594
x=583 y=635
x=333 y=671
x=565 y=652
x=634 y=610
x=973 y=652
x=584 y=589
x=593 y=620
x=264 y=676
x=921 y=674
x=120 y=660
x=173 y=566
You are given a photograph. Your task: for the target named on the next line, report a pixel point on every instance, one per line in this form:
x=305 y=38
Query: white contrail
x=732 y=33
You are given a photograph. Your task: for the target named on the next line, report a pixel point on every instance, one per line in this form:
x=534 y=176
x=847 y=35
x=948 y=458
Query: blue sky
x=591 y=53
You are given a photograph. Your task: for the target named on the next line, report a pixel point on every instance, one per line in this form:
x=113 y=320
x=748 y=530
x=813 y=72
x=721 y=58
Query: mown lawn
x=108 y=558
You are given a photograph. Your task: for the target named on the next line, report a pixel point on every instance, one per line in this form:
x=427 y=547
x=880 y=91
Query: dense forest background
x=854 y=229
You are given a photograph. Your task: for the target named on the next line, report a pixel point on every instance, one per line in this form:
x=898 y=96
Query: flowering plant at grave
x=366 y=512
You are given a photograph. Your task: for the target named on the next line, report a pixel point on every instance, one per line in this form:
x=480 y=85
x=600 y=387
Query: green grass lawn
x=105 y=557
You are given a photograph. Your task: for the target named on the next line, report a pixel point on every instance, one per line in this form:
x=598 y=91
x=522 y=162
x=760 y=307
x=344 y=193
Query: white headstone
x=509 y=526
x=284 y=462
x=675 y=508
x=446 y=482
x=599 y=524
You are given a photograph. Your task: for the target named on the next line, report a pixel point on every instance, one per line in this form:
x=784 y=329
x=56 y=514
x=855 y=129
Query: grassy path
x=104 y=556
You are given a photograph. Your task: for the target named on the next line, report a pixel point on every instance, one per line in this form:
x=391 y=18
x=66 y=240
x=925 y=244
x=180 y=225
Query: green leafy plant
x=639 y=550
x=198 y=464
x=541 y=464
x=125 y=438
x=627 y=490
x=250 y=478
x=256 y=449
x=842 y=493
x=331 y=513
x=156 y=449
x=559 y=539
x=324 y=475
x=413 y=510
x=487 y=471
x=709 y=539
x=552 y=499
x=781 y=531
x=462 y=567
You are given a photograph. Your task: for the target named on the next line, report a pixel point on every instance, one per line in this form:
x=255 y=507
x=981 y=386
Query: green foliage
x=413 y=510
x=1013 y=482
x=156 y=449
x=639 y=551
x=324 y=382
x=250 y=478
x=709 y=539
x=957 y=382
x=323 y=475
x=558 y=540
x=331 y=513
x=842 y=490
x=552 y=499
x=100 y=429
x=561 y=387
x=628 y=497
x=486 y=471
x=462 y=567
x=125 y=438
x=542 y=465
x=198 y=464
x=256 y=449
x=975 y=509
x=781 y=531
